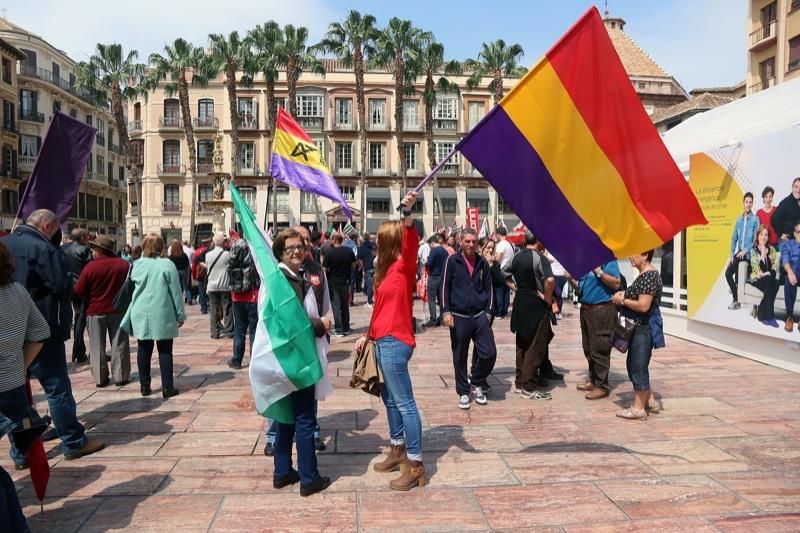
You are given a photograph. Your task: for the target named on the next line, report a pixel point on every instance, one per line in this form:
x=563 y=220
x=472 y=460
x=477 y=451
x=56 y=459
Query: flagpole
x=433 y=171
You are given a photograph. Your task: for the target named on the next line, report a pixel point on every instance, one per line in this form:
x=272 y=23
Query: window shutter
x=14 y=164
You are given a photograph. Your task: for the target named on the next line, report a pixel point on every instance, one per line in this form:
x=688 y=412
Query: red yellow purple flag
x=296 y=161
x=572 y=151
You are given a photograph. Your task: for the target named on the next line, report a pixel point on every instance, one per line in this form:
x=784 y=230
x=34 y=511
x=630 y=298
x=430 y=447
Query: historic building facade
x=9 y=136
x=45 y=82
x=773 y=43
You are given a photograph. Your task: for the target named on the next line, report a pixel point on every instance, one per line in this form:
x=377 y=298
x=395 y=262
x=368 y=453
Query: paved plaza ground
x=723 y=455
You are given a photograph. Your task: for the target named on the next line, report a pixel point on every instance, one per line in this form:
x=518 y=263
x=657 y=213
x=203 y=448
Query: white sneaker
x=480 y=398
x=463 y=402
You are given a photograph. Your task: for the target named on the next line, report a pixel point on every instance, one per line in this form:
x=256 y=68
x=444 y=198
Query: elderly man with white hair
x=219 y=289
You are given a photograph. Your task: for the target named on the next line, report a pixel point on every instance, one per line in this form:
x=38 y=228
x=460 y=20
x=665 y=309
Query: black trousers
x=78 y=328
x=340 y=302
x=769 y=286
x=732 y=275
x=597 y=323
x=479 y=331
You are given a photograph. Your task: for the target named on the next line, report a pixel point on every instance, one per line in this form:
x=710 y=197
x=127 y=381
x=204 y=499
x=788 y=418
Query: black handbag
x=122 y=300
x=622 y=333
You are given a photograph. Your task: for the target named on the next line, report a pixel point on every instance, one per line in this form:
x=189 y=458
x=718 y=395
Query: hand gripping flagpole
x=433 y=172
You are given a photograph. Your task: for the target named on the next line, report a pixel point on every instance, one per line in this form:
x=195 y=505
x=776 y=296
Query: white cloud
x=146 y=25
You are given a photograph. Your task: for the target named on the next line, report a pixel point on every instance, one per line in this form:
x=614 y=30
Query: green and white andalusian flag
x=284 y=357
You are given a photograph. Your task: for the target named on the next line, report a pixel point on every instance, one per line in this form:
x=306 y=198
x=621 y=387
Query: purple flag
x=59 y=168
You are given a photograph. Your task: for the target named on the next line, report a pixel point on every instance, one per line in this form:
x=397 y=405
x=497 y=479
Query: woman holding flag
x=391 y=328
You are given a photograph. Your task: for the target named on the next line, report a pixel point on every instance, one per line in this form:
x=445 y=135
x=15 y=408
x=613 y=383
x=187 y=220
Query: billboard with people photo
x=743 y=266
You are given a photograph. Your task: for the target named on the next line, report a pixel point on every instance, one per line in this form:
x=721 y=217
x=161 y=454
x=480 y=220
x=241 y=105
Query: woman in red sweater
x=391 y=328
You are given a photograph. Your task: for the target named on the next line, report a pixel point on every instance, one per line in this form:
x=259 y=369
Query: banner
x=720 y=288
x=473 y=218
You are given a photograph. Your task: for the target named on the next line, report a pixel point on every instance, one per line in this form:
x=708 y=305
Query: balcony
x=472 y=172
x=204 y=168
x=201 y=209
x=133 y=210
x=26 y=162
x=89 y=176
x=205 y=123
x=344 y=126
x=101 y=140
x=114 y=183
x=445 y=125
x=383 y=126
x=763 y=36
x=248 y=121
x=760 y=86
x=10 y=127
x=115 y=148
x=310 y=123
x=341 y=171
x=170 y=123
x=171 y=170
x=134 y=127
x=249 y=171
x=377 y=172
x=794 y=65
x=31 y=116
x=413 y=127
x=46 y=75
x=171 y=208
x=450 y=170
x=414 y=172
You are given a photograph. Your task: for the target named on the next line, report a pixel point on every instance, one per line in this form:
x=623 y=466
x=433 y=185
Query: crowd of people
x=85 y=283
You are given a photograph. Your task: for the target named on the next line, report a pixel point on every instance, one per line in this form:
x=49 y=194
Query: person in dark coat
x=78 y=255
x=787 y=214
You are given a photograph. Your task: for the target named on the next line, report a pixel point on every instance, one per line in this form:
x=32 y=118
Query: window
x=91 y=207
x=121 y=172
x=101 y=128
x=794 y=51
x=137 y=111
x=410 y=114
x=308 y=202
x=348 y=192
x=247 y=113
x=309 y=105
x=246 y=155
x=377 y=155
x=205 y=153
x=282 y=199
x=28 y=101
x=11 y=202
x=109 y=209
x=110 y=170
x=344 y=111
x=9 y=161
x=6 y=70
x=101 y=163
x=73 y=112
x=249 y=195
x=377 y=206
x=205 y=192
x=377 y=112
x=475 y=110
x=56 y=106
x=9 y=114
x=171 y=108
x=280 y=102
x=56 y=71
x=344 y=155
x=29 y=145
x=766 y=70
x=411 y=155
x=442 y=149
x=768 y=15
x=478 y=198
x=89 y=119
x=172 y=153
x=205 y=108
x=172 y=194
x=320 y=144
x=446 y=108
x=89 y=165
x=449 y=205
x=72 y=79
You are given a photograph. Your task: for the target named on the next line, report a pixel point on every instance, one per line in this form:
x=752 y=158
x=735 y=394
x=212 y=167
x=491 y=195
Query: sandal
x=632 y=414
x=653 y=406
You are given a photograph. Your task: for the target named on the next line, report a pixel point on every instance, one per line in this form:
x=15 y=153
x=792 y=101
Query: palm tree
x=296 y=56
x=180 y=59
x=353 y=42
x=266 y=41
x=495 y=60
x=398 y=45
x=109 y=70
x=229 y=56
x=432 y=65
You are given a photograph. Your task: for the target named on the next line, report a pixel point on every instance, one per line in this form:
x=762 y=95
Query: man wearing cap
x=98 y=284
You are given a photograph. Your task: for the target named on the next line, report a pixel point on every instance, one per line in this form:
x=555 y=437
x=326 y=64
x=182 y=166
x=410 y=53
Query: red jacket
x=196 y=259
x=99 y=282
x=393 y=299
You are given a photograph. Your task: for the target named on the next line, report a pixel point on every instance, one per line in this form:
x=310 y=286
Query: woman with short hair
x=155 y=313
x=764 y=275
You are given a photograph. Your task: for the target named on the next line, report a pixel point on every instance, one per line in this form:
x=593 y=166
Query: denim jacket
x=790 y=255
x=748 y=230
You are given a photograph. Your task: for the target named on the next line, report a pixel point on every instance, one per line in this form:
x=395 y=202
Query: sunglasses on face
x=289 y=250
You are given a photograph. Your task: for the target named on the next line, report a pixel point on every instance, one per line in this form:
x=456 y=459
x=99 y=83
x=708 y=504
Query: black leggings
x=145 y=353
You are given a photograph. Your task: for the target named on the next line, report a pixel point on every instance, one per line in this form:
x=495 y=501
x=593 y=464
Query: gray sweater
x=218 y=280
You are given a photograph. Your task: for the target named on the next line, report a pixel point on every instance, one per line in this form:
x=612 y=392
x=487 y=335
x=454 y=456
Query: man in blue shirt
x=744 y=234
x=435 y=265
x=598 y=317
x=790 y=262
x=366 y=259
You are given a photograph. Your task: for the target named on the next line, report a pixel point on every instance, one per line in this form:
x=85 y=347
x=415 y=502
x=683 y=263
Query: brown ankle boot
x=411 y=473
x=397 y=456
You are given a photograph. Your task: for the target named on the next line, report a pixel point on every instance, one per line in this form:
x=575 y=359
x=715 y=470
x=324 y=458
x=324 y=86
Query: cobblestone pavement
x=723 y=454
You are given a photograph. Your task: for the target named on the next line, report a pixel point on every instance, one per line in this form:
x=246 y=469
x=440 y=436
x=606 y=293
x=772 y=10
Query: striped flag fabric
x=572 y=151
x=284 y=357
x=484 y=232
x=296 y=161
x=349 y=229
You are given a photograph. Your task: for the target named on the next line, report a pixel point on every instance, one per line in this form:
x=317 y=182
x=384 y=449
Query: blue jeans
x=640 y=350
x=302 y=432
x=50 y=368
x=368 y=289
x=405 y=425
x=144 y=354
x=502 y=295
x=186 y=283
x=435 y=297
x=245 y=319
x=790 y=295
x=203 y=296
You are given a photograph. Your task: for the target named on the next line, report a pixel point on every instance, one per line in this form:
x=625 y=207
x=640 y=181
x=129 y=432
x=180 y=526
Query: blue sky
x=700 y=42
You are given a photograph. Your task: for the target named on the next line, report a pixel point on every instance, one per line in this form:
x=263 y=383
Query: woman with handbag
x=155 y=313
x=391 y=330
x=639 y=303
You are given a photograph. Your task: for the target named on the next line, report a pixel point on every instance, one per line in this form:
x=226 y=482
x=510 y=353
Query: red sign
x=472 y=218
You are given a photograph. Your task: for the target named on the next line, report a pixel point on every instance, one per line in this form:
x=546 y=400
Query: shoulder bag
x=122 y=300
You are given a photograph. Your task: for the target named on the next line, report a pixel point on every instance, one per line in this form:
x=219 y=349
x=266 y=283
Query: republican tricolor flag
x=572 y=151
x=296 y=161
